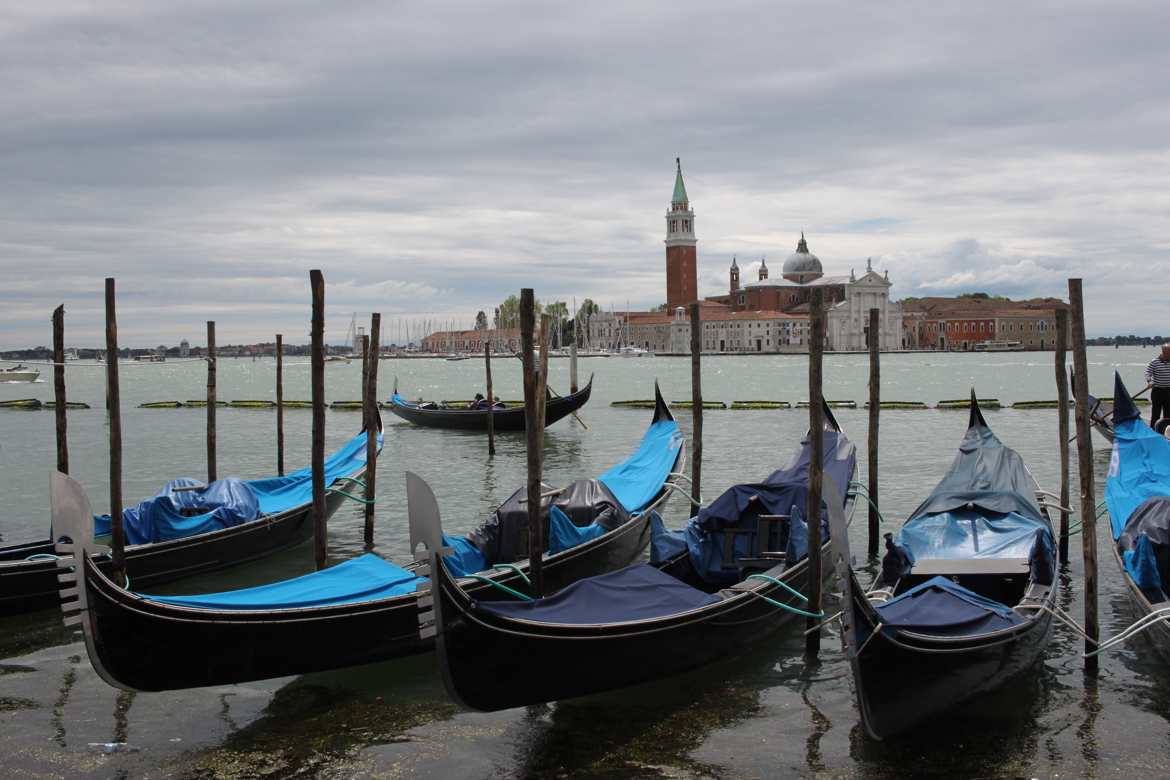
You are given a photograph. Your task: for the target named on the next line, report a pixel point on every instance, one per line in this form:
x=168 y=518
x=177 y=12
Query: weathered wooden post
x=114 y=410
x=317 y=367
x=816 y=425
x=1062 y=422
x=491 y=399
x=280 y=404
x=1088 y=502
x=534 y=428
x=365 y=347
x=371 y=411
x=573 y=361
x=696 y=406
x=875 y=401
x=211 y=401
x=59 y=407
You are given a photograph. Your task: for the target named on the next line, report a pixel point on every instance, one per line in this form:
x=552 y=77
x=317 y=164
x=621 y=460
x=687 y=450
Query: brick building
x=979 y=323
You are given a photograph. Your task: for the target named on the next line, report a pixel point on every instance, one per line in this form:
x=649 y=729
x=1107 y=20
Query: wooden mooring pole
x=372 y=425
x=211 y=401
x=875 y=402
x=573 y=361
x=280 y=404
x=114 y=410
x=1088 y=500
x=534 y=430
x=696 y=406
x=59 y=407
x=317 y=367
x=816 y=425
x=491 y=399
x=1062 y=422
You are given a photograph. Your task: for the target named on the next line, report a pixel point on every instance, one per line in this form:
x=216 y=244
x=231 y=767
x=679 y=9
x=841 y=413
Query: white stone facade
x=847 y=325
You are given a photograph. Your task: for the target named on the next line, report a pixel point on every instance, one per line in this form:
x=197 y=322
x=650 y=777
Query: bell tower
x=734 y=275
x=763 y=269
x=681 y=264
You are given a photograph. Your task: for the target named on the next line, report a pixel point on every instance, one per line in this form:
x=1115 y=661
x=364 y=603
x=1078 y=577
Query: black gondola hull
x=905 y=679
x=170 y=644
x=26 y=586
x=492 y=663
x=1157 y=634
x=502 y=419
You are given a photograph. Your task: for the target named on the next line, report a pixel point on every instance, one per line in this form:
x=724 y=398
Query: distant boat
x=999 y=346
x=631 y=351
x=336 y=358
x=457 y=357
x=19 y=373
x=152 y=358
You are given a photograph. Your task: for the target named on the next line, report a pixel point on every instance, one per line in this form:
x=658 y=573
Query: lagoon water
x=764 y=714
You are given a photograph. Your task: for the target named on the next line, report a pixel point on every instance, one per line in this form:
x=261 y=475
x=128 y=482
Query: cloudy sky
x=432 y=158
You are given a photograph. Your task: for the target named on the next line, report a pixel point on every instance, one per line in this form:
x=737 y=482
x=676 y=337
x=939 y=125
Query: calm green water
x=765 y=714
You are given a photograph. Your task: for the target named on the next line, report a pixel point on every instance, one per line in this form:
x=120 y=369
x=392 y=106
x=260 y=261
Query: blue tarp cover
x=466 y=558
x=740 y=505
x=638 y=592
x=939 y=606
x=563 y=535
x=1143 y=566
x=1138 y=470
x=365 y=578
x=965 y=533
x=636 y=481
x=227 y=502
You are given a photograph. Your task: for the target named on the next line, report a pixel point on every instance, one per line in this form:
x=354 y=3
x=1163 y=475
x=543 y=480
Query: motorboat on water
x=19 y=373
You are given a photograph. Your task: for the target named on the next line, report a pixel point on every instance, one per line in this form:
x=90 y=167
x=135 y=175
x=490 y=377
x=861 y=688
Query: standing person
x=1158 y=378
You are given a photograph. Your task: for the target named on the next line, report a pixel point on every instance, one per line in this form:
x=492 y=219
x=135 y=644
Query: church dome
x=802 y=265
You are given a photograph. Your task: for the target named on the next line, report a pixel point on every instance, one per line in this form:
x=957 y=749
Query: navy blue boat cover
x=1137 y=492
x=940 y=606
x=638 y=592
x=227 y=502
x=740 y=506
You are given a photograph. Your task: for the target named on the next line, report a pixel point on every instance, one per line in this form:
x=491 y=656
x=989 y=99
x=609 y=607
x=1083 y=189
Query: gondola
x=961 y=606
x=359 y=611
x=433 y=415
x=1101 y=417
x=1137 y=493
x=728 y=580
x=190 y=529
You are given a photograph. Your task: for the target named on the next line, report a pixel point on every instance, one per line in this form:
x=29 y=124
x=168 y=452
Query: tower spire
x=680 y=190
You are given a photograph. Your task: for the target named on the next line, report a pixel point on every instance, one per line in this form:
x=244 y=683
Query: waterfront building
x=184 y=348
x=979 y=322
x=502 y=340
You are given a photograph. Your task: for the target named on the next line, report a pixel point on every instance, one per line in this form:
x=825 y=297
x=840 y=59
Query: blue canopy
x=176 y=514
x=1139 y=470
x=967 y=533
x=365 y=578
x=638 y=592
x=564 y=535
x=939 y=606
x=638 y=479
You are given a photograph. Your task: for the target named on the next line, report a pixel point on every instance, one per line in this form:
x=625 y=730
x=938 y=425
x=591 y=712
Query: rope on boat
x=354 y=480
x=868 y=500
x=43 y=557
x=780 y=604
x=1133 y=630
x=824 y=623
x=514 y=568
x=351 y=497
x=1060 y=615
x=876 y=630
x=671 y=486
x=501 y=586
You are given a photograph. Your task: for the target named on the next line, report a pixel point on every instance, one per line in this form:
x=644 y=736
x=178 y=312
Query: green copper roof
x=680 y=192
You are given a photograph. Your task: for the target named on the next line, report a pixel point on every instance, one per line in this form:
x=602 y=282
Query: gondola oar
x=551 y=389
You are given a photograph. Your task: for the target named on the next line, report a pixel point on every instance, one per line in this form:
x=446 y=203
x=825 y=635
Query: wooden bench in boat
x=946 y=567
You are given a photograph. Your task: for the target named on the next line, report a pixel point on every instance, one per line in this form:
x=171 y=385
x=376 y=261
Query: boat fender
x=897 y=562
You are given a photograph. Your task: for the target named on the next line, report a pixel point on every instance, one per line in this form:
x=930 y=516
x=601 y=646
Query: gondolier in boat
x=1158 y=380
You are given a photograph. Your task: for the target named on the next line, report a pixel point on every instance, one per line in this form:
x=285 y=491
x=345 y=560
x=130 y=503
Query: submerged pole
x=371 y=407
x=210 y=400
x=317 y=367
x=875 y=375
x=491 y=399
x=1088 y=501
x=114 y=410
x=1062 y=422
x=696 y=406
x=533 y=427
x=280 y=404
x=59 y=407
x=816 y=425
